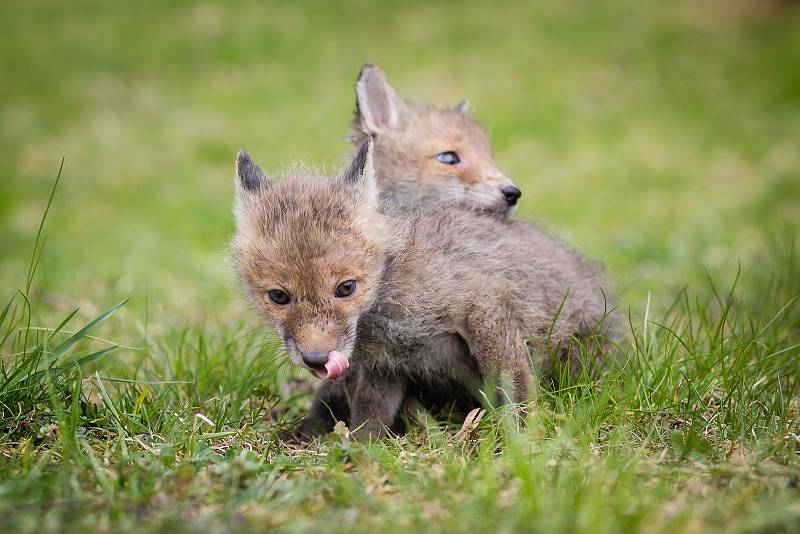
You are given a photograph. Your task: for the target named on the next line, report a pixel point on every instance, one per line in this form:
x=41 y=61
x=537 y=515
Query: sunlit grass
x=698 y=428
x=138 y=393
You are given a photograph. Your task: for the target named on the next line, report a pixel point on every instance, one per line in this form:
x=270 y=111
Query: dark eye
x=281 y=298
x=345 y=289
x=448 y=158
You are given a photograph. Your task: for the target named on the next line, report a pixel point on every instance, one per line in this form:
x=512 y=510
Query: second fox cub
x=420 y=297
x=425 y=154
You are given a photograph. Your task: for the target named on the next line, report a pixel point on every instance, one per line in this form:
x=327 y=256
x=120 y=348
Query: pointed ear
x=362 y=171
x=462 y=107
x=378 y=107
x=249 y=176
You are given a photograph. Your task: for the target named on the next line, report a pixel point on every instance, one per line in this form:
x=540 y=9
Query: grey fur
x=355 y=171
x=443 y=293
x=251 y=177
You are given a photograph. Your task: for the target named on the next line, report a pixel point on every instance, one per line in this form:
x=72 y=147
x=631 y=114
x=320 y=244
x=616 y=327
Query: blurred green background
x=662 y=138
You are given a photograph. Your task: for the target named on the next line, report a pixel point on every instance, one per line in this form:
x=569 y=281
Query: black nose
x=315 y=360
x=512 y=194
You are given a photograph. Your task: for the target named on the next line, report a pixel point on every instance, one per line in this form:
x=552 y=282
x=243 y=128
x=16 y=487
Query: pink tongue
x=335 y=367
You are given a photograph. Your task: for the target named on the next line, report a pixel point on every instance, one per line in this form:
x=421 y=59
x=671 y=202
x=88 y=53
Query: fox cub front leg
x=376 y=404
x=331 y=403
x=501 y=354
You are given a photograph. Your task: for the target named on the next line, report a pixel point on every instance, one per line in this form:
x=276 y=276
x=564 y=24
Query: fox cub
x=408 y=297
x=426 y=154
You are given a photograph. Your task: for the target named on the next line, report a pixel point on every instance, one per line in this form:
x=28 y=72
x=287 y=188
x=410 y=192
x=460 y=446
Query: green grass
x=658 y=137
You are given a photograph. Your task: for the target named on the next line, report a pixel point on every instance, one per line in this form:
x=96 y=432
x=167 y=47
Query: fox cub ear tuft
x=250 y=176
x=377 y=105
x=462 y=107
x=362 y=171
x=362 y=163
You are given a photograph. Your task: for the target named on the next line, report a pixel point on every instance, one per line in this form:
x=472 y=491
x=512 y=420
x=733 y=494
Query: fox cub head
x=311 y=252
x=426 y=154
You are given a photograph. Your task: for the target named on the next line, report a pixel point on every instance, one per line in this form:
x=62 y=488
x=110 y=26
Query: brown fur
x=443 y=296
x=409 y=135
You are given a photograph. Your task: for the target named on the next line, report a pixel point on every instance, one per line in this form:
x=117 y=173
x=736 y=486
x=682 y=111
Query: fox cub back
x=406 y=297
x=426 y=154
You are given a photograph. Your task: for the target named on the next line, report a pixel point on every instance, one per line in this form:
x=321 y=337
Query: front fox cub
x=426 y=154
x=408 y=297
